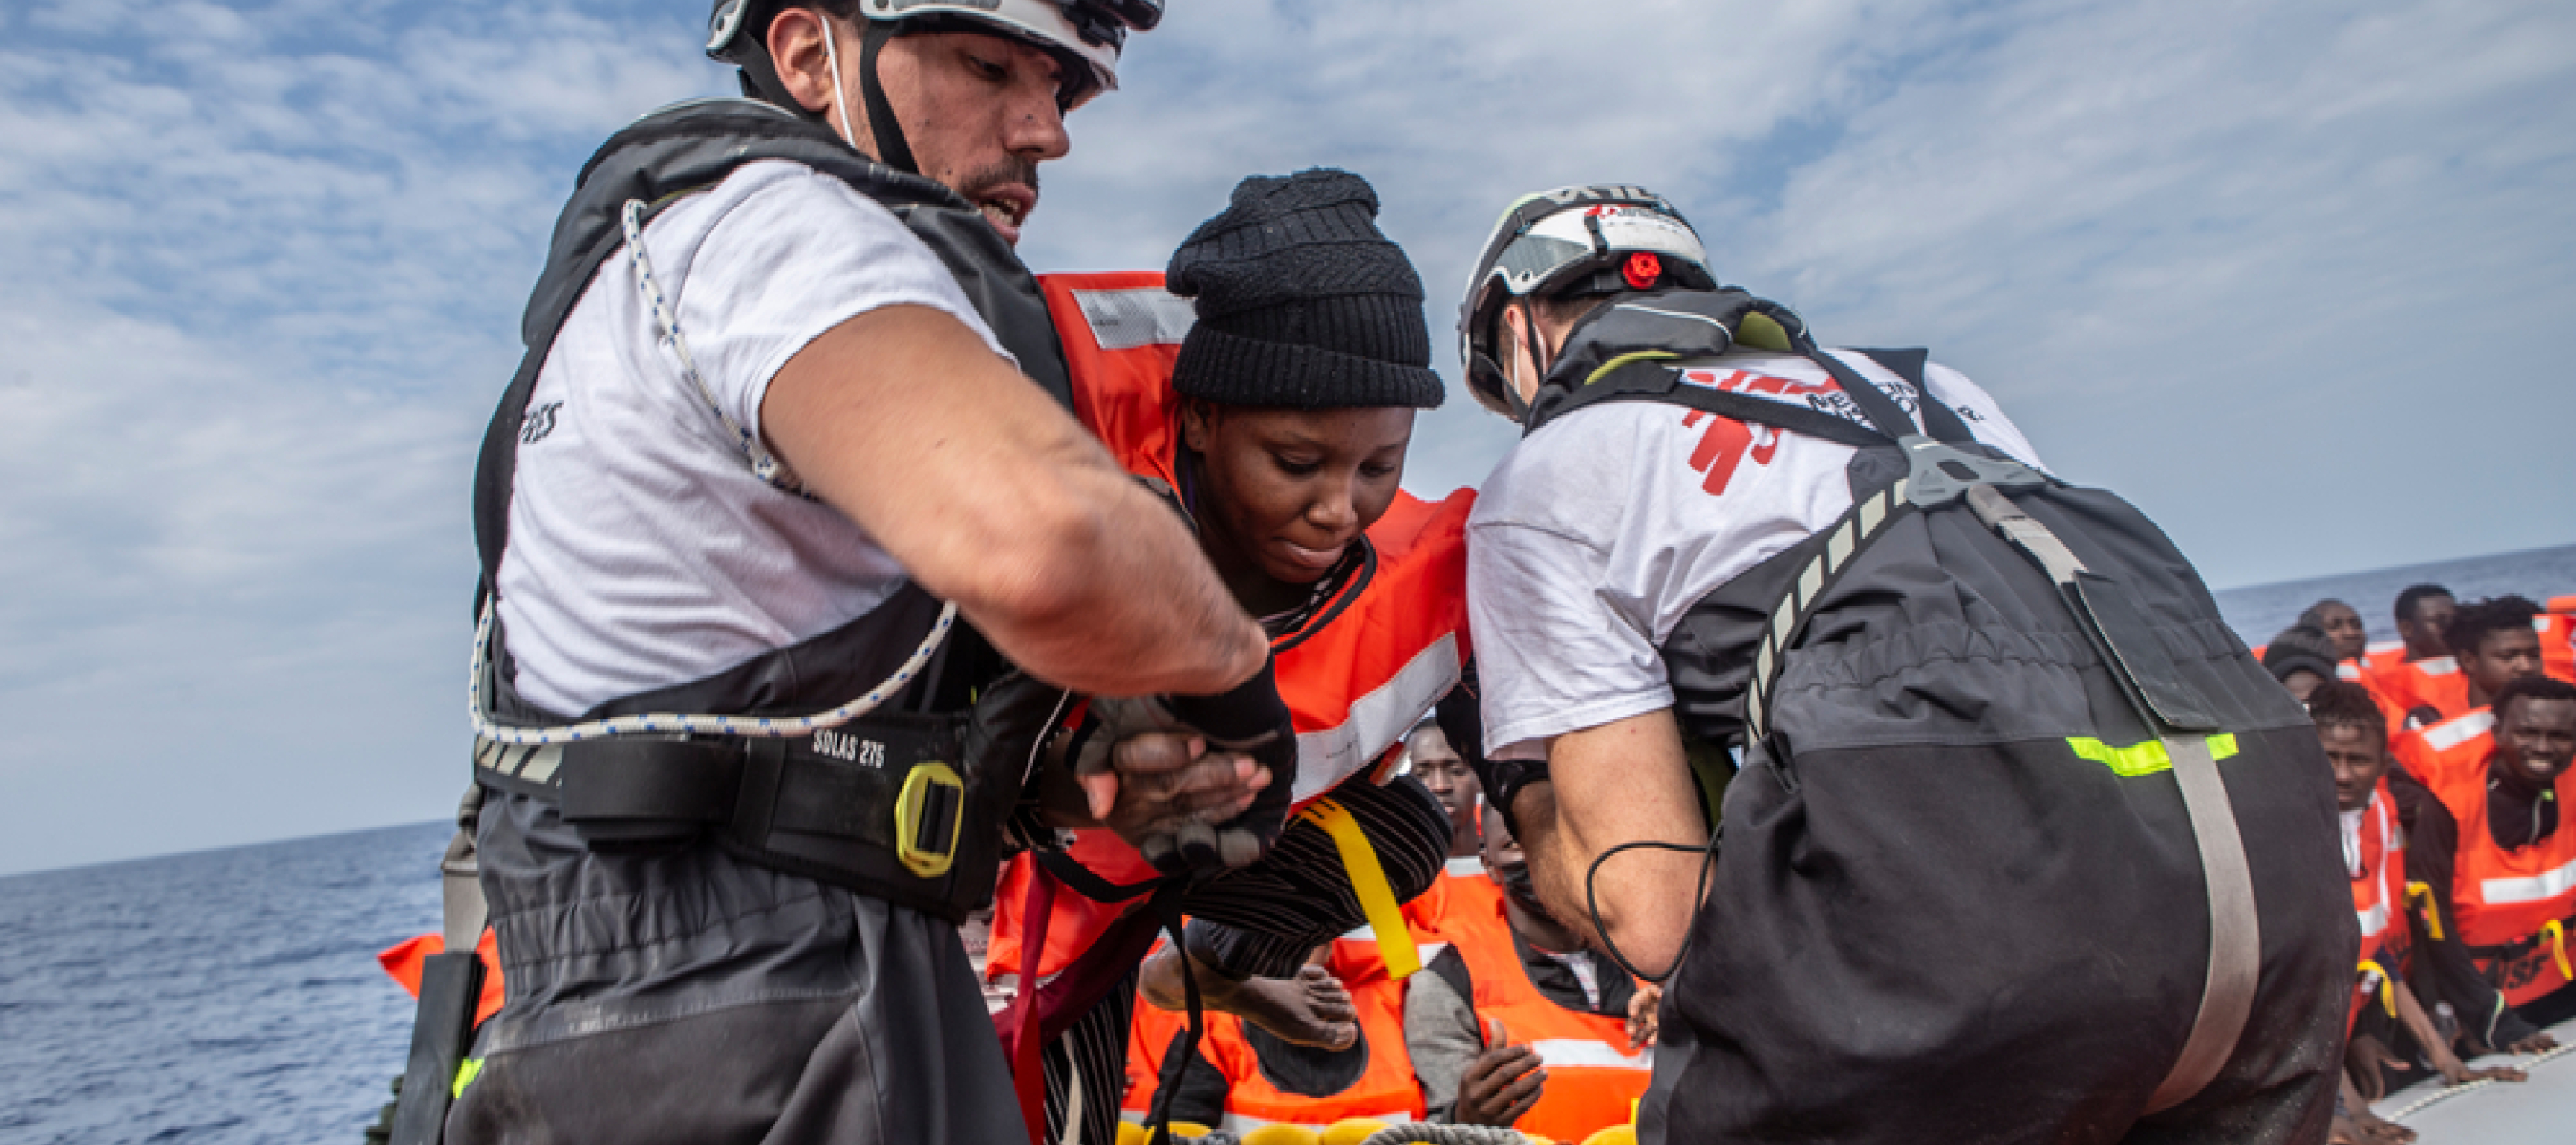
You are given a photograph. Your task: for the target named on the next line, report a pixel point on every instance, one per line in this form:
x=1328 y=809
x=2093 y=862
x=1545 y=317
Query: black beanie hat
x=2299 y=647
x=1302 y=303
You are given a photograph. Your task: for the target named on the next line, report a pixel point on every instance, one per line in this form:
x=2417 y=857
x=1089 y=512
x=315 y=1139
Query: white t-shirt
x=1597 y=533
x=643 y=553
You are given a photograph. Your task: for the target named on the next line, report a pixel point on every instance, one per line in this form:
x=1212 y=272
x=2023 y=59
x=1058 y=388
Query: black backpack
x=2013 y=813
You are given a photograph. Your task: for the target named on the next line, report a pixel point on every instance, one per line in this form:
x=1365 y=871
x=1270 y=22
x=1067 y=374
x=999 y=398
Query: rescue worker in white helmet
x=1827 y=598
x=783 y=490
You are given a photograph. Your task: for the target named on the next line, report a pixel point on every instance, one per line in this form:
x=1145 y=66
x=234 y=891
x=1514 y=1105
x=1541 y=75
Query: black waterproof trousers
x=686 y=996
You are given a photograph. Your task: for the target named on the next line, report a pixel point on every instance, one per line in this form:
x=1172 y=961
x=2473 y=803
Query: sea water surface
x=233 y=996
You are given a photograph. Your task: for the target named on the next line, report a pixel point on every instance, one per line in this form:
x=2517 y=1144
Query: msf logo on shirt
x=1726 y=444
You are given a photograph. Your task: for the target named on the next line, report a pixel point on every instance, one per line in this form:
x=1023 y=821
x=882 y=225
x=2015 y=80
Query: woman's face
x=1287 y=491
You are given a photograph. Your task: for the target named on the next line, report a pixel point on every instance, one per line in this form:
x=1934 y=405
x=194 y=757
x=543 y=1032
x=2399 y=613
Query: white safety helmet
x=1085 y=34
x=1567 y=242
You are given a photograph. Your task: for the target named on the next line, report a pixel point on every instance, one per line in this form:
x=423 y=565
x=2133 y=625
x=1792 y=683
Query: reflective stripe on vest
x=2452 y=733
x=2545 y=885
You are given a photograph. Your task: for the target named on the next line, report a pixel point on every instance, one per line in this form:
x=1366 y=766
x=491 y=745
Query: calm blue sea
x=233 y=996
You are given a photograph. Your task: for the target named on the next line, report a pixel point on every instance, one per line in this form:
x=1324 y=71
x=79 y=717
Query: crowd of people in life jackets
x=2451 y=751
x=1511 y=1019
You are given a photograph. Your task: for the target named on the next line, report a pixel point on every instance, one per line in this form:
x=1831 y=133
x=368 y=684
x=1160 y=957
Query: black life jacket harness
x=1632 y=350
x=906 y=802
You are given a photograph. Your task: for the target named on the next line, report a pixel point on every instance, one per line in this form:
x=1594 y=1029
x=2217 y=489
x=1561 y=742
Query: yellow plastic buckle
x=929 y=814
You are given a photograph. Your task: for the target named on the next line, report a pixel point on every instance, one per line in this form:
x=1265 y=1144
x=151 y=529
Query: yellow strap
x=466 y=1072
x=2142 y=759
x=1624 y=359
x=2387 y=993
x=1368 y=880
x=2557 y=936
x=2422 y=895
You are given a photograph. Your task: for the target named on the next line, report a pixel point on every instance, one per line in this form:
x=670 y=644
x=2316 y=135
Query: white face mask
x=832 y=59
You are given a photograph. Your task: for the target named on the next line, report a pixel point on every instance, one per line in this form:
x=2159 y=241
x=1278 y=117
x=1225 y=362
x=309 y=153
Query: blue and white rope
x=478 y=703
x=764 y=464
x=767 y=468
x=2448 y=1092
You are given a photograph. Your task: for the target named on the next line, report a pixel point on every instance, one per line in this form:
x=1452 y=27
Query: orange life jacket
x=1354 y=687
x=2511 y=908
x=2406 y=685
x=2557 y=628
x=1463 y=901
x=2378 y=898
x=2460 y=744
x=1386 y=1089
x=403 y=961
x=1591 y=1077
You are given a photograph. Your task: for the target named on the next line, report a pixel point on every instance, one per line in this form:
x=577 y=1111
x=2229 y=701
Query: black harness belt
x=878 y=805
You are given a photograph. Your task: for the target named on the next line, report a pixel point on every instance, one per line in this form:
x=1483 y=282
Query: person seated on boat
x=1242 y=1077
x=2343 y=626
x=2417 y=678
x=2384 y=1011
x=2493 y=643
x=1519 y=1023
x=1462 y=894
x=2490 y=845
x=1281 y=427
x=2301 y=658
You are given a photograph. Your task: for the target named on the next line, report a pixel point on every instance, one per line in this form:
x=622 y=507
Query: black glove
x=1250 y=720
x=1464 y=725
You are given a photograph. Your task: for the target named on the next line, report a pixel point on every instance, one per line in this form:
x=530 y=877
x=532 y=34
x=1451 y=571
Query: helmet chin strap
x=891 y=148
x=1537 y=360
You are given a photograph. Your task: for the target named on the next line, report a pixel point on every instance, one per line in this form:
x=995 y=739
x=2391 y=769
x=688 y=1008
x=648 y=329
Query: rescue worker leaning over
x=2492 y=841
x=1280 y=420
x=1519 y=1022
x=1720 y=541
x=787 y=391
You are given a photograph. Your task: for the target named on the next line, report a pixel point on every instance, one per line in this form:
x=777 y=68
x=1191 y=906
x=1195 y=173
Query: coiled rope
x=2441 y=1095
x=1429 y=1133
x=479 y=683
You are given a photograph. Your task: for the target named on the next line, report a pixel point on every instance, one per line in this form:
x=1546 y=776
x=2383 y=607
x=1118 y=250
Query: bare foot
x=1311 y=1009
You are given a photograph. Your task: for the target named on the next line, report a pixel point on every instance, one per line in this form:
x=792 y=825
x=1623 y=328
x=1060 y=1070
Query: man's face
x=979 y=112
x=2359 y=758
x=2501 y=657
x=1451 y=781
x=2344 y=627
x=2535 y=739
x=2423 y=635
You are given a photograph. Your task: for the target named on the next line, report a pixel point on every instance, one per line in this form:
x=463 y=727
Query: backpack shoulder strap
x=1640 y=378
x=1943 y=423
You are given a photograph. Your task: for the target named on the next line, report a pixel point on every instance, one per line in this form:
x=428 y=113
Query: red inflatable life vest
x=402 y=961
x=1463 y=903
x=2504 y=899
x=2378 y=899
x=2436 y=683
x=1591 y=1077
x=2460 y=744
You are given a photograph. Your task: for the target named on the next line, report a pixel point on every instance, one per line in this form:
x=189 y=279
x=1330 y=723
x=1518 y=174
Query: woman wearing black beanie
x=1282 y=431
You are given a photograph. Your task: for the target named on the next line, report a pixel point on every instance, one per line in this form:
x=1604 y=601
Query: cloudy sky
x=2295 y=277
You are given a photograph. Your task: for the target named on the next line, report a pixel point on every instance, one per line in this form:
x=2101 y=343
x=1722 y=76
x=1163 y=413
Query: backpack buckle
x=929 y=815
x=1943 y=473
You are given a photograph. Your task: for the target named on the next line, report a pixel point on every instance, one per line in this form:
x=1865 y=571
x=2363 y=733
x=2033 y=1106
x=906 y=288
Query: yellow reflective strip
x=1368 y=880
x=1624 y=359
x=2422 y=895
x=2144 y=758
x=466 y=1072
x=2557 y=936
x=2387 y=993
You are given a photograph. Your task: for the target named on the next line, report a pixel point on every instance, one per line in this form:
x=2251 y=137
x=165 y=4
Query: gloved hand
x=1249 y=720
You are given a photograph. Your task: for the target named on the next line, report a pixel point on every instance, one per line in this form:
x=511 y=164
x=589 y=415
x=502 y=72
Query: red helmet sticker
x=1642 y=270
